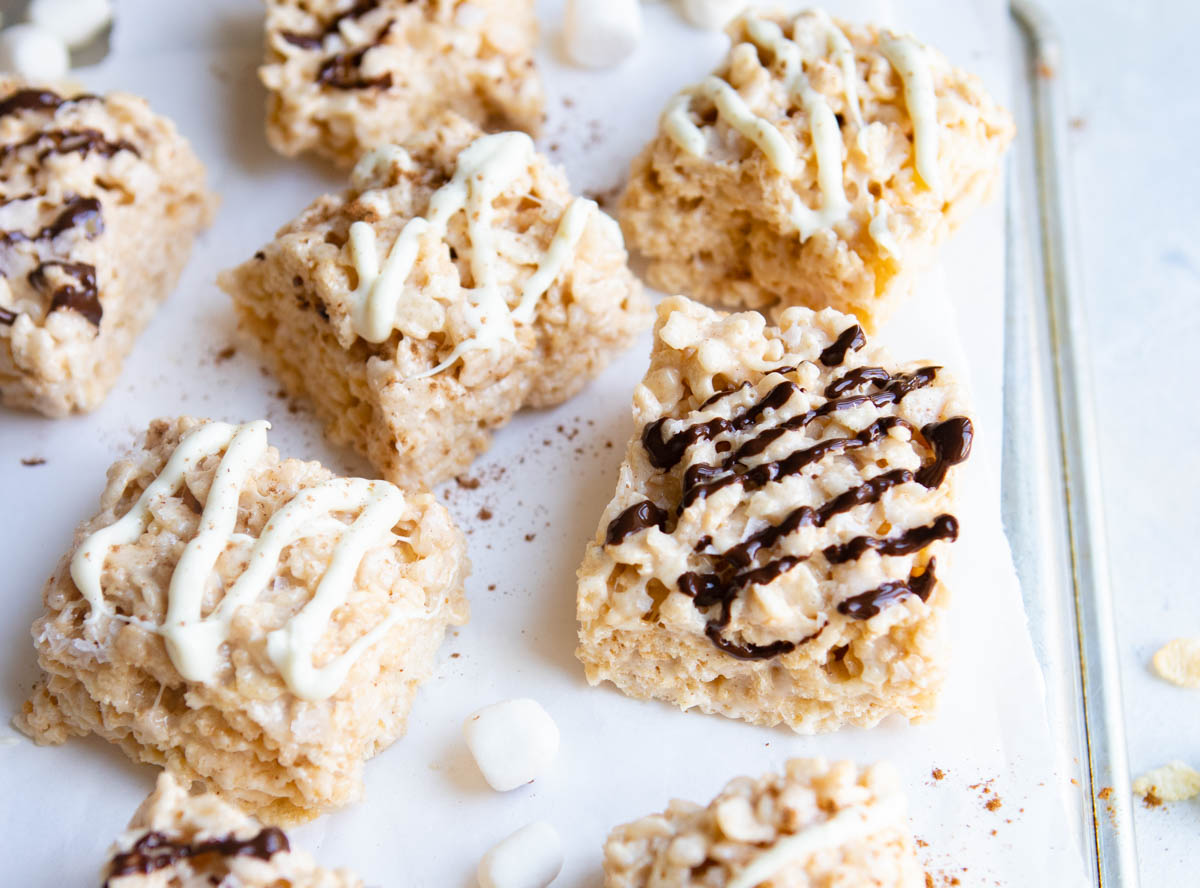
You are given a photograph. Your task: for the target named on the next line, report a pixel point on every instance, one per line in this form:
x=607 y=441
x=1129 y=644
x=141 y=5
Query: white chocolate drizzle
x=909 y=59
x=484 y=170
x=904 y=54
x=845 y=826
x=194 y=641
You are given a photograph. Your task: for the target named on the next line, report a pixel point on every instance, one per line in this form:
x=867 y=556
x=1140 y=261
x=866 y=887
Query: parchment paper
x=428 y=816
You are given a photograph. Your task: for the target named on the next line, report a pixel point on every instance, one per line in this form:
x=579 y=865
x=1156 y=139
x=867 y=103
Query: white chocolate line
x=845 y=826
x=484 y=170
x=881 y=232
x=909 y=59
x=194 y=642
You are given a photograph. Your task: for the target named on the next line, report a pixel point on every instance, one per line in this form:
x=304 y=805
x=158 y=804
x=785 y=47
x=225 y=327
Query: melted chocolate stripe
x=851 y=339
x=82 y=212
x=867 y=604
x=636 y=518
x=81 y=141
x=7 y=318
x=78 y=294
x=155 y=851
x=314 y=41
x=855 y=378
x=38 y=100
x=951 y=443
x=944 y=527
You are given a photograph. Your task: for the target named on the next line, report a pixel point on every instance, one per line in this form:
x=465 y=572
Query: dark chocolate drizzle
x=78 y=212
x=7 y=318
x=637 y=517
x=155 y=851
x=851 y=339
x=82 y=141
x=317 y=39
x=867 y=604
x=79 y=293
x=37 y=100
x=944 y=527
x=951 y=443
x=341 y=72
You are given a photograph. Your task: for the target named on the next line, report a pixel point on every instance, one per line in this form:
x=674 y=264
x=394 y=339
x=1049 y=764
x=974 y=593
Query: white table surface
x=1131 y=71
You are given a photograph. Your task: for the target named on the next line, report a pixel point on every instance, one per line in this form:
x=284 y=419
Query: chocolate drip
x=314 y=41
x=951 y=443
x=81 y=141
x=697 y=486
x=944 y=527
x=341 y=72
x=723 y=394
x=857 y=377
x=37 y=100
x=868 y=492
x=155 y=851
x=78 y=294
x=637 y=517
x=868 y=604
x=7 y=318
x=851 y=338
x=82 y=212
x=713 y=590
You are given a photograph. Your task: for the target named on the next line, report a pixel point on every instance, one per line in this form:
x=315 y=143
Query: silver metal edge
x=1108 y=767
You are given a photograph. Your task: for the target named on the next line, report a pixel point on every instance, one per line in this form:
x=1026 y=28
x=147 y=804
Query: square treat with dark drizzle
x=179 y=840
x=819 y=165
x=456 y=281
x=100 y=200
x=250 y=622
x=817 y=825
x=772 y=551
x=346 y=76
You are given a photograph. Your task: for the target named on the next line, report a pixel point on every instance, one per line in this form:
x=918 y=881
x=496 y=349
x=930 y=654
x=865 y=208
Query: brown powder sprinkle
x=225 y=354
x=485 y=514
x=993 y=804
x=529 y=537
x=1105 y=793
x=938 y=774
x=1151 y=800
x=33 y=461
x=467 y=483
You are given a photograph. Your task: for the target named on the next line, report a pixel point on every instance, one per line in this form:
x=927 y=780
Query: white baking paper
x=428 y=815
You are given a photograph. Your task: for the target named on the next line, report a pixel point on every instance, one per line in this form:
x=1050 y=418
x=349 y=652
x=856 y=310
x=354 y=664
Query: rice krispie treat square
x=250 y=622
x=177 y=840
x=773 y=547
x=100 y=200
x=819 y=165
x=817 y=825
x=454 y=283
x=345 y=76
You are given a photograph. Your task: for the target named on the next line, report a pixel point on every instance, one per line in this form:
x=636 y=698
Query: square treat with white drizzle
x=179 y=840
x=247 y=621
x=345 y=76
x=819 y=165
x=100 y=201
x=817 y=825
x=773 y=547
x=453 y=284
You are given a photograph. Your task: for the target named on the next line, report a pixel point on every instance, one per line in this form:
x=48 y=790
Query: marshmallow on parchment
x=600 y=33
x=512 y=742
x=34 y=53
x=531 y=857
x=75 y=22
x=711 y=14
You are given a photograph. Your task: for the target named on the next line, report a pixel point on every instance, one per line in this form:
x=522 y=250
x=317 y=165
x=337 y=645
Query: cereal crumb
x=1178 y=661
x=938 y=774
x=1173 y=782
x=1105 y=793
x=466 y=482
x=993 y=804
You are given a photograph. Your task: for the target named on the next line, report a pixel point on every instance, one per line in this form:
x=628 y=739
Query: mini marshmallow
x=711 y=14
x=33 y=52
x=75 y=22
x=532 y=857
x=600 y=33
x=512 y=742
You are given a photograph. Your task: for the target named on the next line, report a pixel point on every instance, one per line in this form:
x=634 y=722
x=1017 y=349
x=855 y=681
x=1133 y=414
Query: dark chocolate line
x=79 y=294
x=155 y=851
x=633 y=519
x=81 y=141
x=851 y=338
x=944 y=527
x=38 y=100
x=867 y=604
x=314 y=41
x=82 y=212
x=951 y=443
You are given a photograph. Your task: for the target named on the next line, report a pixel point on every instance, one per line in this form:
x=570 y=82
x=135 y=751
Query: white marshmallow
x=711 y=14
x=532 y=857
x=33 y=52
x=600 y=33
x=75 y=22
x=512 y=742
